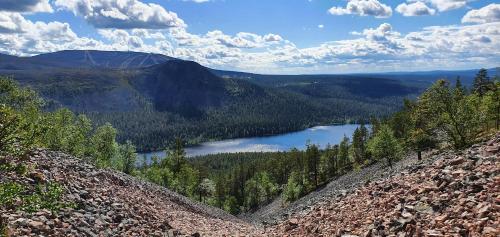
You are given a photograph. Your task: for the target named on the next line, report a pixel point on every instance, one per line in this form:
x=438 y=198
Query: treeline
x=271 y=113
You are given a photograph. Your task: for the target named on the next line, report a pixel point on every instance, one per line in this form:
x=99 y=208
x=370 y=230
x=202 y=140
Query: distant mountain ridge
x=83 y=59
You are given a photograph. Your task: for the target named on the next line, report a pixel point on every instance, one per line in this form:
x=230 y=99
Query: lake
x=319 y=135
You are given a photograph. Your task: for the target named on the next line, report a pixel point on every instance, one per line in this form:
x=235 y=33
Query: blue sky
x=266 y=36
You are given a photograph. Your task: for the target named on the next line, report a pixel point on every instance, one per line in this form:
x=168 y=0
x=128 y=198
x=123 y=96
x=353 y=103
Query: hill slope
x=446 y=194
x=449 y=194
x=110 y=203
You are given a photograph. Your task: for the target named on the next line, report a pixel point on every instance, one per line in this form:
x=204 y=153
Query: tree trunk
x=419 y=155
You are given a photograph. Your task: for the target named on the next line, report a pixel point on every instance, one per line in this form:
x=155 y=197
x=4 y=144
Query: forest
x=445 y=115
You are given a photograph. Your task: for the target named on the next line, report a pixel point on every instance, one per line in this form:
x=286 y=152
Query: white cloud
x=321 y=26
x=447 y=5
x=128 y=14
x=415 y=9
x=11 y=22
x=25 y=6
x=380 y=48
x=217 y=37
x=490 y=13
x=363 y=8
x=272 y=38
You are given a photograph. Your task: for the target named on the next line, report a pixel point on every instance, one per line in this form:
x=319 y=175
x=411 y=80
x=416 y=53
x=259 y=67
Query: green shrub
x=15 y=196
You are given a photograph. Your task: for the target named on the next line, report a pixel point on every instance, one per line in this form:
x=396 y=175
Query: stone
x=37 y=225
x=457 y=161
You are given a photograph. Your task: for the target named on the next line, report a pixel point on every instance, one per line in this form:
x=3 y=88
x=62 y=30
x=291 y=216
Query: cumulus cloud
x=128 y=14
x=24 y=37
x=363 y=8
x=490 y=13
x=25 y=6
x=11 y=22
x=447 y=5
x=217 y=37
x=272 y=38
x=379 y=48
x=415 y=9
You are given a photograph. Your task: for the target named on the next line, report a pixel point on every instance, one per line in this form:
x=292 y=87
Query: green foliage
x=343 y=157
x=19 y=118
x=127 y=158
x=491 y=103
x=103 y=145
x=312 y=160
x=328 y=162
x=66 y=132
x=452 y=113
x=259 y=189
x=358 y=146
x=177 y=156
x=384 y=146
x=294 y=188
x=206 y=189
x=231 y=205
x=482 y=83
x=9 y=192
x=12 y=132
x=17 y=197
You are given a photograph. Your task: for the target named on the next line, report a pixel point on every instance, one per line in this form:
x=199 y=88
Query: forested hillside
x=151 y=99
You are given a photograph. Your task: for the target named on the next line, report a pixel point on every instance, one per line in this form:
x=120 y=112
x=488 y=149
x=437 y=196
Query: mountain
x=151 y=98
x=82 y=59
x=186 y=87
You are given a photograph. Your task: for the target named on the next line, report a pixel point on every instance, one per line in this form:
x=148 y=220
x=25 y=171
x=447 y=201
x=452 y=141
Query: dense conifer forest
x=151 y=102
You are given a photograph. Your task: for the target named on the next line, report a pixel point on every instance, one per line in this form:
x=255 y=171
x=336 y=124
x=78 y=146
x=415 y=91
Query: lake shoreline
x=320 y=135
x=263 y=135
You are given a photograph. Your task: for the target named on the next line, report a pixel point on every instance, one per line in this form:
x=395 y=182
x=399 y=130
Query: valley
x=152 y=99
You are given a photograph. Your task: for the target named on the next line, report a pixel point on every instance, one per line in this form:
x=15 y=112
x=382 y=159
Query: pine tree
x=313 y=158
x=482 y=82
x=177 y=156
x=128 y=157
x=385 y=146
x=343 y=157
x=358 y=146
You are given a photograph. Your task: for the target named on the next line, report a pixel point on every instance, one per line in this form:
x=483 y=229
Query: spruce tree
x=385 y=146
x=482 y=82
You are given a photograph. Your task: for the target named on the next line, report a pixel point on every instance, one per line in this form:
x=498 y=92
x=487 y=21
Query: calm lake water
x=320 y=135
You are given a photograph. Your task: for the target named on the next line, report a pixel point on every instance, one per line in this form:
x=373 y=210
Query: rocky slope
x=109 y=203
x=448 y=194
x=276 y=211
x=451 y=194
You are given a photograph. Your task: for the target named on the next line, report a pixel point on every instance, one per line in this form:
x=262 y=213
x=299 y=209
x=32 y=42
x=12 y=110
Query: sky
x=266 y=36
